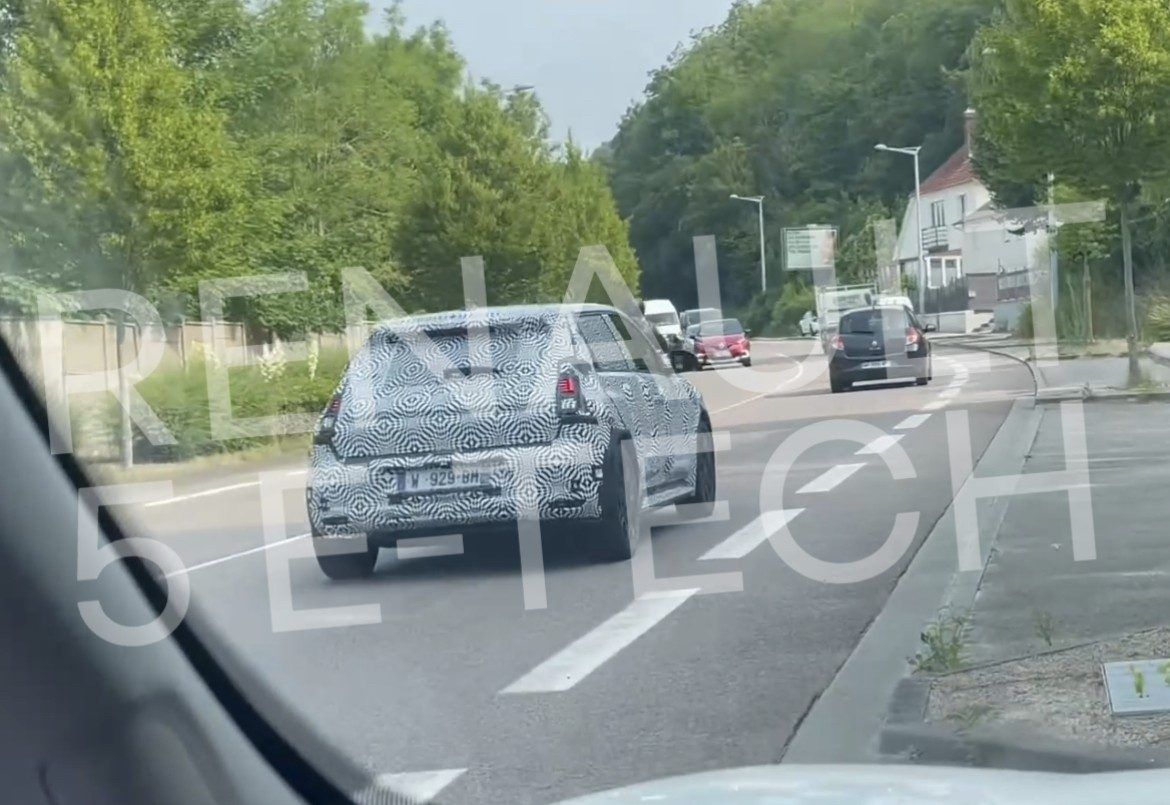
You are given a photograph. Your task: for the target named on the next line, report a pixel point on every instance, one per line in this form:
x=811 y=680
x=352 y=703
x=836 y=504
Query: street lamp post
x=759 y=202
x=918 y=210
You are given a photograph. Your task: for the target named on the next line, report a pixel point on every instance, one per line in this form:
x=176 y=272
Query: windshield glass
x=550 y=546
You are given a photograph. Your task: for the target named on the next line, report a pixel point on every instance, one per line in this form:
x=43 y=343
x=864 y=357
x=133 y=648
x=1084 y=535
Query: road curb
x=846 y=722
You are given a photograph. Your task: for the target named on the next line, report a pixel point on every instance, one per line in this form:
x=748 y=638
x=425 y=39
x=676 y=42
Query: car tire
x=837 y=385
x=922 y=381
x=746 y=362
x=341 y=566
x=702 y=500
x=615 y=537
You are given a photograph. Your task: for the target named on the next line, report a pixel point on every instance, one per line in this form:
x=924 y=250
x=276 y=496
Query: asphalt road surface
x=703 y=653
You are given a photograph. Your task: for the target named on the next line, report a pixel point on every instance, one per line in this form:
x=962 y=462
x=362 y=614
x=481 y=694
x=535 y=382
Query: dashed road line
x=912 y=422
x=205 y=493
x=752 y=535
x=949 y=393
x=937 y=405
x=830 y=479
x=237 y=555
x=585 y=655
x=879 y=445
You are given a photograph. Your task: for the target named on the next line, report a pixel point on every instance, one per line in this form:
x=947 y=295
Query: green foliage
x=1158 y=319
x=787 y=98
x=942 y=644
x=1025 y=327
x=1081 y=89
x=794 y=301
x=153 y=144
x=1044 y=625
x=179 y=397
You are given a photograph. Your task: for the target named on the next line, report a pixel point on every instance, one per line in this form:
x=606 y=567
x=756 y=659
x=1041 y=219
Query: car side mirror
x=747 y=331
x=929 y=328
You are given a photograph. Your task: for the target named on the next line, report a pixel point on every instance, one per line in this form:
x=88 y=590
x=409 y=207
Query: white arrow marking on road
x=912 y=422
x=418 y=786
x=588 y=653
x=879 y=445
x=830 y=479
x=752 y=535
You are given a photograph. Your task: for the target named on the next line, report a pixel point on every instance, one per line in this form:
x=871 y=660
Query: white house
x=962 y=235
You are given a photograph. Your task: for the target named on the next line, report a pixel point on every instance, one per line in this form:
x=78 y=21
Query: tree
x=1081 y=89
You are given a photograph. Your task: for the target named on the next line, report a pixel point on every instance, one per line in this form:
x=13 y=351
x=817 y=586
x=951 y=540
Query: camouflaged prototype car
x=445 y=422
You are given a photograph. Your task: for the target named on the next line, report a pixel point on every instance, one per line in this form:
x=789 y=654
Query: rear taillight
x=837 y=342
x=568 y=394
x=913 y=337
x=327 y=427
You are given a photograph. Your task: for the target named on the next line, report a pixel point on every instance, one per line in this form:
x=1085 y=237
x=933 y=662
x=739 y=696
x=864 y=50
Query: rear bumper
x=560 y=480
x=731 y=359
x=850 y=370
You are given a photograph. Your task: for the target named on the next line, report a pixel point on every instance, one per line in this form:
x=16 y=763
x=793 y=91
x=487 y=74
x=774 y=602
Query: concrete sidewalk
x=1041 y=623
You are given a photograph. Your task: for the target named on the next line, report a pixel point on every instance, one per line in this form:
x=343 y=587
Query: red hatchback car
x=719 y=342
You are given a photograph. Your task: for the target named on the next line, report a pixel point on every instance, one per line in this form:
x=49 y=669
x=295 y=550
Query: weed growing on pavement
x=942 y=644
x=967 y=717
x=1044 y=625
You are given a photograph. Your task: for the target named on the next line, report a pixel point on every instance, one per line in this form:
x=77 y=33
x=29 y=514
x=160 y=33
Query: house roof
x=955 y=171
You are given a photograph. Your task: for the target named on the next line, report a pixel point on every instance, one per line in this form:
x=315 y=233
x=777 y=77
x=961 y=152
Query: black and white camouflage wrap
x=476 y=391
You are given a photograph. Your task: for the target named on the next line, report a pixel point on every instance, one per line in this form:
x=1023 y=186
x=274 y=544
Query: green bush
x=795 y=300
x=179 y=398
x=1158 y=319
x=1024 y=328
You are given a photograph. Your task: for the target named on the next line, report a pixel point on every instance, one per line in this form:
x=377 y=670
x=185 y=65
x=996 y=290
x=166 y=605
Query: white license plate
x=722 y=353
x=413 y=482
x=876 y=365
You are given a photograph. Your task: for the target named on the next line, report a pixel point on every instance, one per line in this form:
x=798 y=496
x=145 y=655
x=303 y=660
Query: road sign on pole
x=810 y=248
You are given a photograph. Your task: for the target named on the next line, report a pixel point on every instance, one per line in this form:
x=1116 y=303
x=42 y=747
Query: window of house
x=941 y=271
x=938 y=213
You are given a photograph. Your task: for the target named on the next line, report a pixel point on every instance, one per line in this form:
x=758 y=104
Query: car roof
x=500 y=314
x=891 y=308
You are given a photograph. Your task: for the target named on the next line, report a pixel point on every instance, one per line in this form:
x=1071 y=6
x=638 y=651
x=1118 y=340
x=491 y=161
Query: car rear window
x=449 y=352
x=873 y=321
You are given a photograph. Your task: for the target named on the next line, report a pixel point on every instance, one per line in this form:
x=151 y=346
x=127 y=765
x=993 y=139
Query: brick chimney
x=969 y=121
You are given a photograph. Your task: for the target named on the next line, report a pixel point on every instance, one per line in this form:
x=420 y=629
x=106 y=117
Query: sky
x=588 y=59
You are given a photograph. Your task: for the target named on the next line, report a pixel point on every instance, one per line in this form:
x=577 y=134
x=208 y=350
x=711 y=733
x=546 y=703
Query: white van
x=663 y=317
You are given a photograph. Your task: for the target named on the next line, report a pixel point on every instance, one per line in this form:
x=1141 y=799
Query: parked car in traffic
x=689 y=318
x=663 y=317
x=879 y=343
x=721 y=342
x=444 y=423
x=809 y=325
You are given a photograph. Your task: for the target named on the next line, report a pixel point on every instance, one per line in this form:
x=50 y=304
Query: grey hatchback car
x=451 y=421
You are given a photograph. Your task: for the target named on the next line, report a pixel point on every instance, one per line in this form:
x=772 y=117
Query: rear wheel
x=746 y=362
x=703 y=498
x=837 y=384
x=338 y=563
x=922 y=381
x=615 y=537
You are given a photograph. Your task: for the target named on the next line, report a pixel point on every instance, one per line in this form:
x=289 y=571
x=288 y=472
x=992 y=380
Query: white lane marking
x=937 y=405
x=880 y=445
x=427 y=547
x=799 y=372
x=305 y=471
x=417 y=786
x=229 y=557
x=947 y=394
x=589 y=652
x=912 y=422
x=752 y=535
x=830 y=479
x=203 y=494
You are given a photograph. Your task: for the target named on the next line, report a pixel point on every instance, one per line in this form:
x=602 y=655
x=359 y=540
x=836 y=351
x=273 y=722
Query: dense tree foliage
x=150 y=144
x=788 y=98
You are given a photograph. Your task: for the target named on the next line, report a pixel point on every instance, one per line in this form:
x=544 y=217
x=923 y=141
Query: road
x=460 y=692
